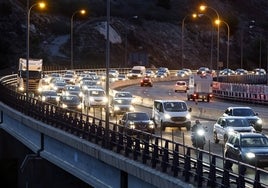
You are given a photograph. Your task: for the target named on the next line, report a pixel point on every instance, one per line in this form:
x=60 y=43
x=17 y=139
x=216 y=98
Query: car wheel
x=175 y=91
x=216 y=140
x=188 y=126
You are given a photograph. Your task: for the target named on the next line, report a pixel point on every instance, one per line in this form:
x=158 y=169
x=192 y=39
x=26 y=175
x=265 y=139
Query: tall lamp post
x=82 y=11
x=211 y=42
x=182 y=35
x=126 y=44
x=41 y=5
x=203 y=8
x=218 y=22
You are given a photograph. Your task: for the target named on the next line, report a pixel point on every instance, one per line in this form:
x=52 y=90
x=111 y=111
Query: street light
x=182 y=35
x=82 y=11
x=211 y=42
x=126 y=44
x=202 y=8
x=218 y=22
x=41 y=5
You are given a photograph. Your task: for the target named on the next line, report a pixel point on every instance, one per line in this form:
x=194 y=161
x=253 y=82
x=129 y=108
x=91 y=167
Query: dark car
x=138 y=120
x=250 y=148
x=49 y=96
x=246 y=112
x=71 y=102
x=146 y=81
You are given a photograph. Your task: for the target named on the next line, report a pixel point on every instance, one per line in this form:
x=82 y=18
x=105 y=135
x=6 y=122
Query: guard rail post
x=241 y=177
x=187 y=164
x=257 y=183
x=145 y=152
x=212 y=172
x=129 y=144
x=155 y=154
x=137 y=148
x=226 y=174
x=175 y=162
x=120 y=139
x=199 y=168
x=113 y=136
x=164 y=163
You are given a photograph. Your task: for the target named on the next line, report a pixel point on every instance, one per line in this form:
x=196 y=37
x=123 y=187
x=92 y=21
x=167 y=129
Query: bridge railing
x=179 y=160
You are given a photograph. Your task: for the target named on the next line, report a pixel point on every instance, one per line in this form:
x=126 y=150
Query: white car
x=181 y=86
x=246 y=112
x=95 y=97
x=226 y=126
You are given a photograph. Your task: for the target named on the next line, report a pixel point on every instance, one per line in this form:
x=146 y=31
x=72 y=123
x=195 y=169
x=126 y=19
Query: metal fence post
x=187 y=165
x=212 y=172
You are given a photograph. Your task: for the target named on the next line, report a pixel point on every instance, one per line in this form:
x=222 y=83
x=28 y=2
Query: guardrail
x=176 y=159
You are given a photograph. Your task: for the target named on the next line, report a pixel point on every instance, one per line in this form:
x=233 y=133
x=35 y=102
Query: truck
x=35 y=68
x=136 y=72
x=200 y=87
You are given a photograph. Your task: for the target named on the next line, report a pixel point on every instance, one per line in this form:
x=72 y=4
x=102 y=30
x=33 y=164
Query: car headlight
x=131 y=108
x=230 y=131
x=116 y=108
x=91 y=99
x=67 y=93
x=43 y=98
x=105 y=99
x=151 y=125
x=57 y=99
x=188 y=116
x=79 y=106
x=131 y=125
x=167 y=116
x=259 y=121
x=80 y=94
x=250 y=155
x=64 y=106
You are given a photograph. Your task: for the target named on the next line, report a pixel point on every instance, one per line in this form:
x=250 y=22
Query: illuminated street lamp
x=41 y=5
x=218 y=22
x=211 y=42
x=203 y=8
x=82 y=11
x=182 y=35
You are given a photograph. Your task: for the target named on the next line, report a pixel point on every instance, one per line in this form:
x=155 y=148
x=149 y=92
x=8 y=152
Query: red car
x=146 y=81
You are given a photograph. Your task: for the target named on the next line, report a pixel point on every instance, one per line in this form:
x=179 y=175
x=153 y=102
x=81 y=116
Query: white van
x=171 y=113
x=137 y=72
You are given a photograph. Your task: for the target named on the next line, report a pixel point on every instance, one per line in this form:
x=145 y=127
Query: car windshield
x=243 y=112
x=97 y=93
x=70 y=99
x=123 y=95
x=138 y=117
x=175 y=106
x=260 y=141
x=122 y=102
x=237 y=123
x=73 y=88
x=49 y=93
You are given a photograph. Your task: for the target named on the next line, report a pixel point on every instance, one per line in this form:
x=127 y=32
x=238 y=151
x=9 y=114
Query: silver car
x=226 y=126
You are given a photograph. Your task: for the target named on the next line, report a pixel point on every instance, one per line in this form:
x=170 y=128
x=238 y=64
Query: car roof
x=239 y=107
x=232 y=117
x=169 y=100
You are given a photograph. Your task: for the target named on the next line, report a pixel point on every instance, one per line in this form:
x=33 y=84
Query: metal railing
x=196 y=166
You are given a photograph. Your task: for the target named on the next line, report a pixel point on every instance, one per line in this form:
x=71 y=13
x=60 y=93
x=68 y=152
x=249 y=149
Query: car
x=187 y=71
x=227 y=72
x=225 y=126
x=146 y=81
x=72 y=90
x=71 y=102
x=49 y=96
x=171 y=113
x=246 y=112
x=181 y=86
x=123 y=94
x=58 y=86
x=122 y=77
x=241 y=72
x=113 y=73
x=165 y=70
x=120 y=106
x=250 y=148
x=149 y=73
x=203 y=70
x=161 y=74
x=139 y=121
x=94 y=97
x=69 y=78
x=181 y=73
x=259 y=71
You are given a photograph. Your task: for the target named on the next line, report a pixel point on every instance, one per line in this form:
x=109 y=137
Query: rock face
x=157 y=30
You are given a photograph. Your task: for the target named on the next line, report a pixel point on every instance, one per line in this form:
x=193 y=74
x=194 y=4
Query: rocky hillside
x=155 y=31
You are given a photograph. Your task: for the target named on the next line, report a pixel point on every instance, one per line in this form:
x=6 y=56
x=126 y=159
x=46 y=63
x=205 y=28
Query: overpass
x=76 y=143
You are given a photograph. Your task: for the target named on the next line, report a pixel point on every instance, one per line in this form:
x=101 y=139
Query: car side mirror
x=190 y=110
x=236 y=146
x=120 y=121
